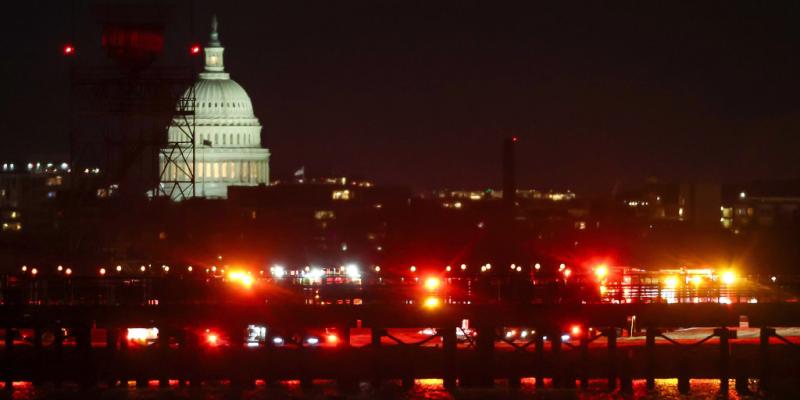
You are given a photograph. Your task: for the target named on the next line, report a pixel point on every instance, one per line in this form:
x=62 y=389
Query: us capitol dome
x=227 y=136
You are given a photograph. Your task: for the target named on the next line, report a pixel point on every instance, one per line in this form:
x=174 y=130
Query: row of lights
x=278 y=271
x=484 y=268
x=101 y=271
x=601 y=272
x=35 y=271
x=727 y=277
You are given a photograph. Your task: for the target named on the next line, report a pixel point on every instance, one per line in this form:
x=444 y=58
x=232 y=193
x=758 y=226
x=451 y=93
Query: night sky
x=421 y=93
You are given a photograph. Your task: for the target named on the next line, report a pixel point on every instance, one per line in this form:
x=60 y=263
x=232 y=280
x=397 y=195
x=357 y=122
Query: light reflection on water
x=423 y=389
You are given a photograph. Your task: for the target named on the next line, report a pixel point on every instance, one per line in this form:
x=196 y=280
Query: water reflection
x=324 y=389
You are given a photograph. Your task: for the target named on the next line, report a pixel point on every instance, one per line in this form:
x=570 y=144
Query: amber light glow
x=431 y=302
x=432 y=283
x=241 y=277
x=601 y=272
x=728 y=277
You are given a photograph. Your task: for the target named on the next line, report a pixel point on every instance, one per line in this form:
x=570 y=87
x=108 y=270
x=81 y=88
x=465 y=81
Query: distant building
x=227 y=138
x=699 y=204
x=319 y=194
x=654 y=201
x=761 y=204
x=694 y=203
x=333 y=219
x=26 y=190
x=461 y=198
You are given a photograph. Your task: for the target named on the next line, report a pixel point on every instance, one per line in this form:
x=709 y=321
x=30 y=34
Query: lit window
x=233 y=169
x=216 y=170
x=208 y=170
x=341 y=195
x=224 y=170
x=54 y=181
x=12 y=226
x=321 y=215
x=727 y=212
x=200 y=169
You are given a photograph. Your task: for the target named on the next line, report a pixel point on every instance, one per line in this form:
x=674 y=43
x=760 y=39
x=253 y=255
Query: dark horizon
x=422 y=94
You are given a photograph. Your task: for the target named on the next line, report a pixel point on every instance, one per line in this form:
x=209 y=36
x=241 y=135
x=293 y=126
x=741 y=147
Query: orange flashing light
x=432 y=283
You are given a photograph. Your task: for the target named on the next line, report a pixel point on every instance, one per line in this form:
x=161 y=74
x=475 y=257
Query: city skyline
x=399 y=199
x=597 y=97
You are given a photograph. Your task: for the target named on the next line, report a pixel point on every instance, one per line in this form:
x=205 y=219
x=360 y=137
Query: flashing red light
x=575 y=330
x=68 y=49
x=194 y=50
x=212 y=339
x=514 y=138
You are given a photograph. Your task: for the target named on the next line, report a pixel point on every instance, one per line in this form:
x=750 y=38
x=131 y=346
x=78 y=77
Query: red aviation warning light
x=194 y=49
x=68 y=50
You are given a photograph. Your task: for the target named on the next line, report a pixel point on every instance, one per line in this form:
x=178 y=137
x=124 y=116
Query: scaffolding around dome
x=227 y=134
x=179 y=151
x=119 y=109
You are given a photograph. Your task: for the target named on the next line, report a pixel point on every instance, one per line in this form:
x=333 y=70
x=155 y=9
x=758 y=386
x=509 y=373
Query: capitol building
x=227 y=135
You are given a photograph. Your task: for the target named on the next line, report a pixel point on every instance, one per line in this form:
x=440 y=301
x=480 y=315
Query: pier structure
x=464 y=345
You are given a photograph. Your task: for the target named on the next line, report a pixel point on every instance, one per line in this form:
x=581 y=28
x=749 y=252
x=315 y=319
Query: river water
x=423 y=389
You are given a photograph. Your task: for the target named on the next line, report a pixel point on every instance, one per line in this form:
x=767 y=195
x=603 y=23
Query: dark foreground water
x=423 y=389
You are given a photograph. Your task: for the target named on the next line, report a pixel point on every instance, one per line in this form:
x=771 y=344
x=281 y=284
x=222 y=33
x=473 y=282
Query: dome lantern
x=215 y=66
